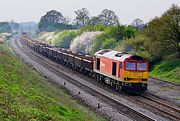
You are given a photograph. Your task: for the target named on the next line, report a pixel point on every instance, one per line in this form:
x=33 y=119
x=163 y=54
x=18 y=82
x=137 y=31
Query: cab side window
x=114 y=68
x=98 y=64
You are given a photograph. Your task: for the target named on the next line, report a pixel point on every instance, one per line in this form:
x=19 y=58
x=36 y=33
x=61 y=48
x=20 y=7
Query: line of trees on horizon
x=54 y=20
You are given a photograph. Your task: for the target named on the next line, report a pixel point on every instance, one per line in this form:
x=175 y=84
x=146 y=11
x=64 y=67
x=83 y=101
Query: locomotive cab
x=135 y=74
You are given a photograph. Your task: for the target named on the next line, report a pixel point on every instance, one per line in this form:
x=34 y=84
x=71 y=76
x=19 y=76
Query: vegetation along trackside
x=25 y=95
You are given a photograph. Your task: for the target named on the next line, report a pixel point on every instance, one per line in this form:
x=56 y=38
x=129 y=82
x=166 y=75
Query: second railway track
x=122 y=108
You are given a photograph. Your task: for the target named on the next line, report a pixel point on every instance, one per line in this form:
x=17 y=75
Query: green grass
x=25 y=95
x=167 y=70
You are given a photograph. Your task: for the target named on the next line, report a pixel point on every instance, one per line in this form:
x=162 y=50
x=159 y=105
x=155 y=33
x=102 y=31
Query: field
x=25 y=95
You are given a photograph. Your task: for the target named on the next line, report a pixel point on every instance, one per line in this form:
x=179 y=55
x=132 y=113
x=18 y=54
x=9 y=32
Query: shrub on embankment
x=112 y=36
x=83 y=43
x=64 y=38
x=25 y=95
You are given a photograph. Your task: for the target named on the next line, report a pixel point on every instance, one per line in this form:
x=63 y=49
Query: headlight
x=127 y=79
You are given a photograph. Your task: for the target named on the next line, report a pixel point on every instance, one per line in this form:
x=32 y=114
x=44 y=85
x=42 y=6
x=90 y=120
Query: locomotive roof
x=116 y=55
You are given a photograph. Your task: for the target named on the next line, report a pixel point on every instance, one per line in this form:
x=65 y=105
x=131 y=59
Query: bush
x=58 y=26
x=112 y=36
x=64 y=38
x=83 y=42
x=98 y=27
x=109 y=43
x=137 y=45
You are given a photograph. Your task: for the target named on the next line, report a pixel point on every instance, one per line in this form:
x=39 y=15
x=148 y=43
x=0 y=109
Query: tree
x=14 y=25
x=108 y=17
x=164 y=33
x=111 y=36
x=66 y=20
x=136 y=45
x=64 y=38
x=82 y=17
x=138 y=24
x=94 y=21
x=5 y=27
x=83 y=42
x=52 y=17
x=109 y=44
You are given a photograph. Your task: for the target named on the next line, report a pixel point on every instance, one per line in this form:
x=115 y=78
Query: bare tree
x=138 y=24
x=66 y=20
x=82 y=17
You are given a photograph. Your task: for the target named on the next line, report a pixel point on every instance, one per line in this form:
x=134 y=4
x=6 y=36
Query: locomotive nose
x=136 y=75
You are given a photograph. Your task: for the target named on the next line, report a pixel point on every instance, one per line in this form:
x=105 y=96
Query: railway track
x=155 y=104
x=166 y=109
x=160 y=80
x=133 y=114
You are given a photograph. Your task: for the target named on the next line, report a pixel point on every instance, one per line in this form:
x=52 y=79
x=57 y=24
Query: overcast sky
x=127 y=10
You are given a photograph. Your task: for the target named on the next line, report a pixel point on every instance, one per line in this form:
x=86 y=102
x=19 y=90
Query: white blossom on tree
x=83 y=42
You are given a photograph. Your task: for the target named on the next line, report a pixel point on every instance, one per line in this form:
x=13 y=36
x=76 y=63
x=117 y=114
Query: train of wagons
x=122 y=71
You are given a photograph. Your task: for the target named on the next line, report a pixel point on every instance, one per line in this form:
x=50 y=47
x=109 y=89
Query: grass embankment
x=25 y=95
x=167 y=70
